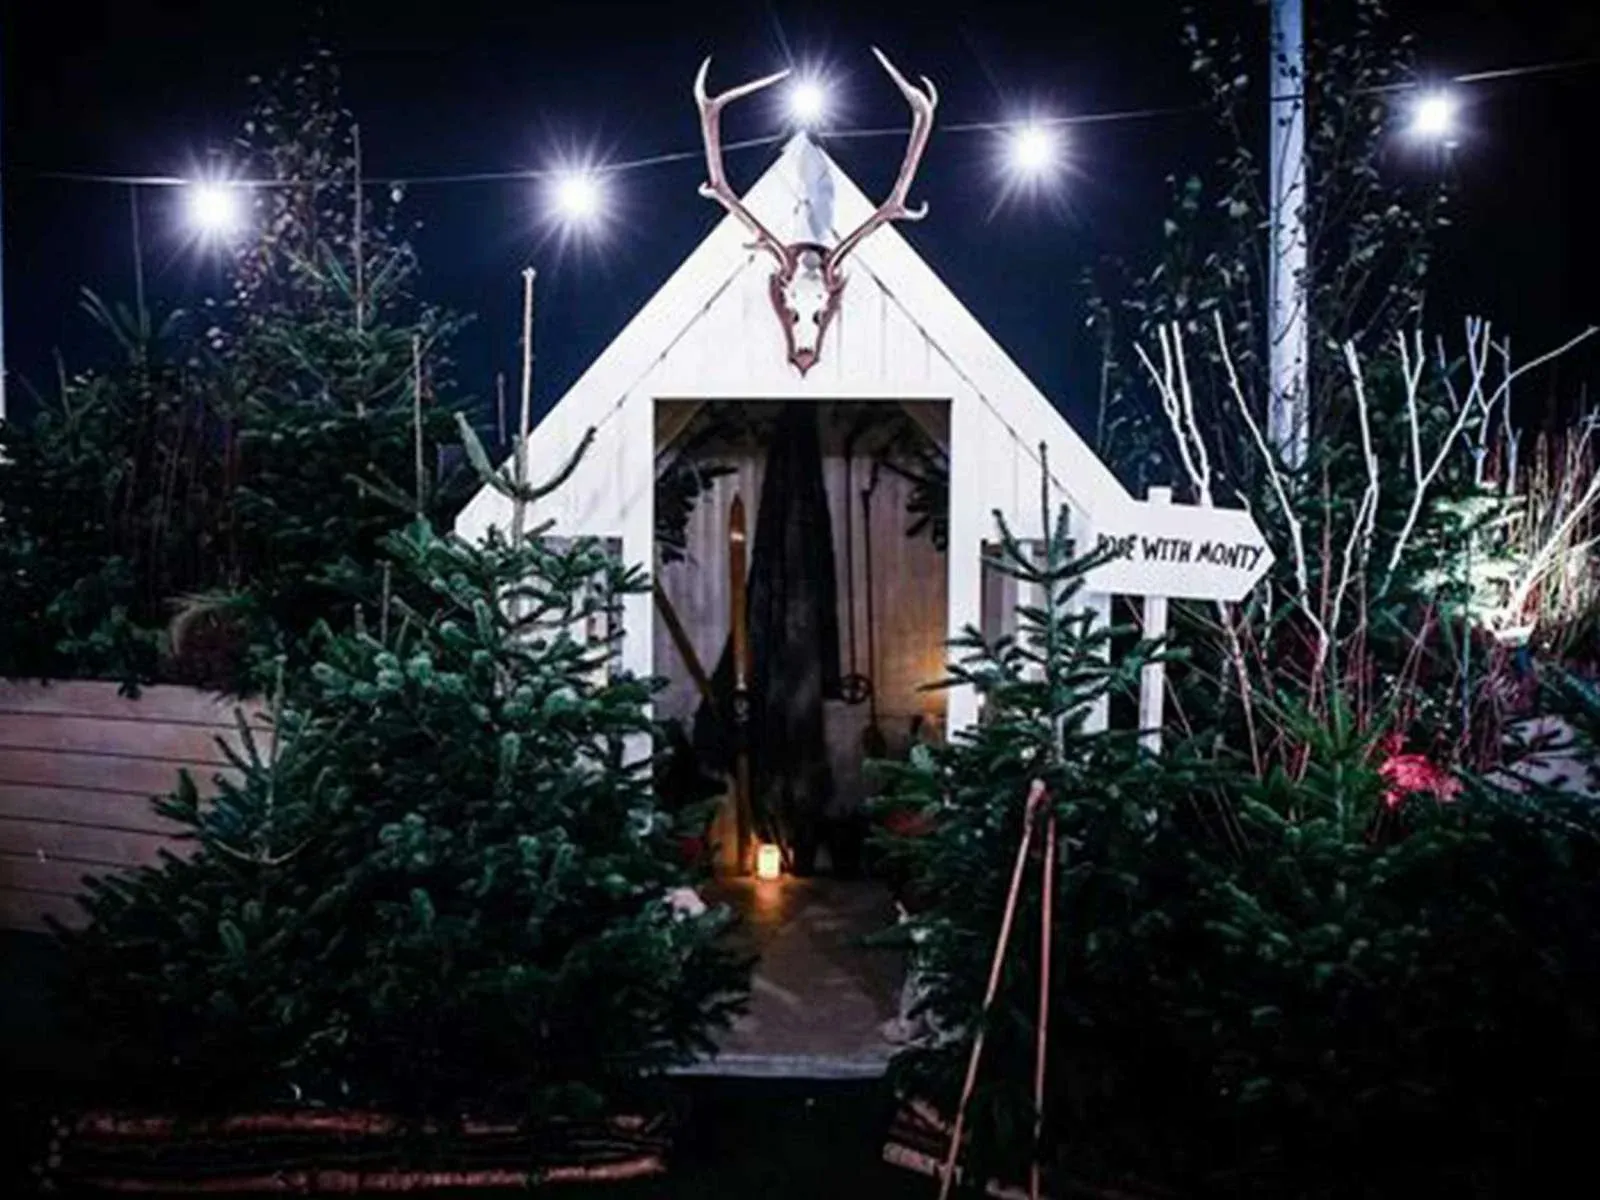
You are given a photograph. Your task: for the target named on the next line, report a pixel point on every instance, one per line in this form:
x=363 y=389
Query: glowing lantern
x=769 y=861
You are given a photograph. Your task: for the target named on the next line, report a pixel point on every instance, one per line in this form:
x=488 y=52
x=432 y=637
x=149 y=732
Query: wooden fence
x=78 y=766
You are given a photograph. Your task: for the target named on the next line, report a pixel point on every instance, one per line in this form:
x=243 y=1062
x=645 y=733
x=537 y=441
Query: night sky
x=145 y=87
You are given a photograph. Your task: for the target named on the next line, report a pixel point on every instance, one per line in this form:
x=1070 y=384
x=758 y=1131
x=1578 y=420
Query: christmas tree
x=445 y=886
x=226 y=456
x=962 y=812
x=1273 y=984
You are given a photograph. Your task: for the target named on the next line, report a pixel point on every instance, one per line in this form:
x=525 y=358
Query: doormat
x=301 y=1152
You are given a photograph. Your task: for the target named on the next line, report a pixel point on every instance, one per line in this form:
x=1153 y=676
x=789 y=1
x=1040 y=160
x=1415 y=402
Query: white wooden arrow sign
x=1182 y=551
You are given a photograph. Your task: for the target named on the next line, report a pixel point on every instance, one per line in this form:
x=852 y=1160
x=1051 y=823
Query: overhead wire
x=534 y=174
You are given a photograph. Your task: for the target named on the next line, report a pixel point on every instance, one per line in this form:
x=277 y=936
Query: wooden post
x=416 y=423
x=1287 y=263
x=519 y=507
x=1153 y=677
x=969 y=522
x=1099 y=603
x=1031 y=594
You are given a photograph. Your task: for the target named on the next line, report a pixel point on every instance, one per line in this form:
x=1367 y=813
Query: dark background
x=147 y=87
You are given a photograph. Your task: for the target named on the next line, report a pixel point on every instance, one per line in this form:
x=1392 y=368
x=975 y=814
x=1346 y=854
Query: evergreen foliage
x=1310 y=950
x=212 y=474
x=104 y=512
x=1350 y=979
x=1369 y=235
x=965 y=800
x=444 y=887
x=1400 y=600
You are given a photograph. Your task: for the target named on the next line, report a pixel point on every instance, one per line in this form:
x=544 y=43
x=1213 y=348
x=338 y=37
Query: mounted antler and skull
x=807 y=283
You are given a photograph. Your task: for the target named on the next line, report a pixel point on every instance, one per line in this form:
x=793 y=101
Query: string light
x=1033 y=150
x=1433 y=115
x=808 y=102
x=577 y=198
x=213 y=209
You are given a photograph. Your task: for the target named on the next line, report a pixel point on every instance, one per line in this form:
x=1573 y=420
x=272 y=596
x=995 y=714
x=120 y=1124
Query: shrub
x=1367 y=976
x=175 y=515
x=446 y=888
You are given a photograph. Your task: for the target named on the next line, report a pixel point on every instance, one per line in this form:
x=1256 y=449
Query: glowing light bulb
x=578 y=197
x=808 y=102
x=1033 y=150
x=769 y=861
x=213 y=209
x=1434 y=116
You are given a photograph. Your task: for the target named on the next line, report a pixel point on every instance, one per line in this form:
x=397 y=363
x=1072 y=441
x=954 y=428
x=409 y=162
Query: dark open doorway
x=842 y=508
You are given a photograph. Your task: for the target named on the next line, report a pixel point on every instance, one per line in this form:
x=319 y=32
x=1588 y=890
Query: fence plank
x=78 y=764
x=80 y=806
x=26 y=910
x=46 y=840
x=102 y=772
x=91 y=698
x=51 y=877
x=133 y=739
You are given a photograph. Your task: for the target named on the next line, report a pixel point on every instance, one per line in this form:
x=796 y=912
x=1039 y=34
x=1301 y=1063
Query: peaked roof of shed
x=645 y=345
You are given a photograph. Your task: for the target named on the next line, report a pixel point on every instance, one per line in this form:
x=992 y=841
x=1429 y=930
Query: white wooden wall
x=710 y=334
x=612 y=493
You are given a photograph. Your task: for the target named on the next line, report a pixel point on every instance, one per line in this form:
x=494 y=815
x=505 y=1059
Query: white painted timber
x=1099 y=606
x=1153 y=676
x=901 y=335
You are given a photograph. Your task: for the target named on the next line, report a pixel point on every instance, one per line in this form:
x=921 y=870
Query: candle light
x=769 y=861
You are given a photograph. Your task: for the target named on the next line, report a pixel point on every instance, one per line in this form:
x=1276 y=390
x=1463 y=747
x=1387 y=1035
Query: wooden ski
x=738 y=565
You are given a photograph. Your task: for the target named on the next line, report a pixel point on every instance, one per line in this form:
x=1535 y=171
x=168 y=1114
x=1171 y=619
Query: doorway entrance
x=800 y=566
x=801 y=616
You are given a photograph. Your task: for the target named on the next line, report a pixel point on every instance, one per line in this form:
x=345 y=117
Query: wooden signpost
x=1153 y=676
x=1165 y=551
x=1179 y=551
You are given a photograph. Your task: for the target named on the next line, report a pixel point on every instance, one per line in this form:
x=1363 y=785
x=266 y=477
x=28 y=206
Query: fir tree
x=229 y=456
x=965 y=803
x=336 y=374
x=444 y=888
x=1301 y=983
x=110 y=503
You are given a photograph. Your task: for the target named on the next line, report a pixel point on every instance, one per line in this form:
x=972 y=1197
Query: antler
x=923 y=101
x=716 y=187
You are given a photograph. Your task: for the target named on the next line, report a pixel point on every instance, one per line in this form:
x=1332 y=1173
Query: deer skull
x=807 y=282
x=804 y=303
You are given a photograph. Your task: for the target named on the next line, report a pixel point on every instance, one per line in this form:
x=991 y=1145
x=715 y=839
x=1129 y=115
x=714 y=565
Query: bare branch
x=1179 y=409
x=1367 y=512
x=1477 y=353
x=1280 y=491
x=1570 y=343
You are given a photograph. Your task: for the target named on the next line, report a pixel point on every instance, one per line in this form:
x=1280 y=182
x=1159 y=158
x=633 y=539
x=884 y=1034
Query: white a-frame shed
x=900 y=335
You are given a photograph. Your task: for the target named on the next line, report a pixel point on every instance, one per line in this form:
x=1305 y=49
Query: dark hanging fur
x=794 y=644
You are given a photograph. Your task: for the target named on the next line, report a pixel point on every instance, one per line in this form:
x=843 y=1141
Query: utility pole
x=1288 y=404
x=2 y=268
